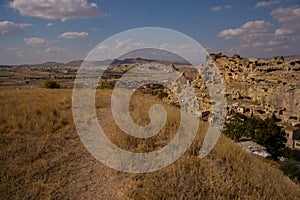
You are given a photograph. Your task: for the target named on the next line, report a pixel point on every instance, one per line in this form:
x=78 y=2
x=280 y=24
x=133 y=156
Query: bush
x=264 y=132
x=105 y=85
x=291 y=168
x=162 y=95
x=291 y=154
x=235 y=127
x=51 y=84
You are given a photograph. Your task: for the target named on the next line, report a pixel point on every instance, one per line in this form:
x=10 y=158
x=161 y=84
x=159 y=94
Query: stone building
x=293 y=136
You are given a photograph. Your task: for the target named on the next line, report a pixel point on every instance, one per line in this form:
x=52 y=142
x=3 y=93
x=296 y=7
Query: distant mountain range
x=289 y=57
x=165 y=59
x=77 y=63
x=48 y=64
x=292 y=57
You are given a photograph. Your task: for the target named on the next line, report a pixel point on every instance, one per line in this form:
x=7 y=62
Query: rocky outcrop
x=258 y=87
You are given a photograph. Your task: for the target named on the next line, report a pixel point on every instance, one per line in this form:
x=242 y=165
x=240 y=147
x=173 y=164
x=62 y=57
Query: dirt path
x=97 y=181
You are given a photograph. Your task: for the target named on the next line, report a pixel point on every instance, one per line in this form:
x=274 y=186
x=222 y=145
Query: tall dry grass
x=139 y=107
x=42 y=156
x=36 y=129
x=227 y=173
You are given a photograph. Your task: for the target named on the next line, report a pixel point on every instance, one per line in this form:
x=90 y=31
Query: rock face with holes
x=257 y=87
x=262 y=88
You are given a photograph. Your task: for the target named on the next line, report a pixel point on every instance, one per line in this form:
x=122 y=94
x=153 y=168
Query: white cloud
x=221 y=7
x=281 y=48
x=18 y=51
x=248 y=31
x=269 y=49
x=50 y=24
x=34 y=41
x=265 y=3
x=10 y=28
x=126 y=43
x=115 y=48
x=229 y=33
x=289 y=14
x=288 y=18
x=72 y=35
x=181 y=48
x=270 y=43
x=56 y=9
x=257 y=36
x=283 y=31
x=54 y=49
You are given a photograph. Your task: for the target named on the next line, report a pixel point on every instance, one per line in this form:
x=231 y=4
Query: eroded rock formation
x=257 y=87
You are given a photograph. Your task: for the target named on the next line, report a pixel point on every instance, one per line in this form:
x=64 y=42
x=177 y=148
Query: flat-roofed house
x=293 y=136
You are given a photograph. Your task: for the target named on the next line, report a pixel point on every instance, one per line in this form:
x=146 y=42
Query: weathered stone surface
x=258 y=87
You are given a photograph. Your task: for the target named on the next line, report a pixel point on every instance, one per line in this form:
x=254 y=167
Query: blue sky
x=35 y=31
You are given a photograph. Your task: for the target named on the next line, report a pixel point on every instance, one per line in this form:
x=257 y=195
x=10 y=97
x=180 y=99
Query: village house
x=293 y=136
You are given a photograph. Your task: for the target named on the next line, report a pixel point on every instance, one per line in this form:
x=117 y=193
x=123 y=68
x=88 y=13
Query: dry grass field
x=42 y=156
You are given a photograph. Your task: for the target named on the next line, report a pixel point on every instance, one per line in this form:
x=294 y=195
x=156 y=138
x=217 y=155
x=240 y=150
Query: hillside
x=42 y=156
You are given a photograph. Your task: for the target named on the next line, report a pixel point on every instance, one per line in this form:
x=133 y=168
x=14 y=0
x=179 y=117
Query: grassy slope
x=42 y=157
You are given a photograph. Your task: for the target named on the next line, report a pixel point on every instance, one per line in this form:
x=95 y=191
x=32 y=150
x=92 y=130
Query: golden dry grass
x=42 y=156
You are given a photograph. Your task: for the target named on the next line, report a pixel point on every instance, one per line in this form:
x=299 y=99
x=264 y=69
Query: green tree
x=105 y=85
x=51 y=84
x=264 y=132
x=291 y=168
x=268 y=134
x=235 y=126
x=252 y=125
x=291 y=154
